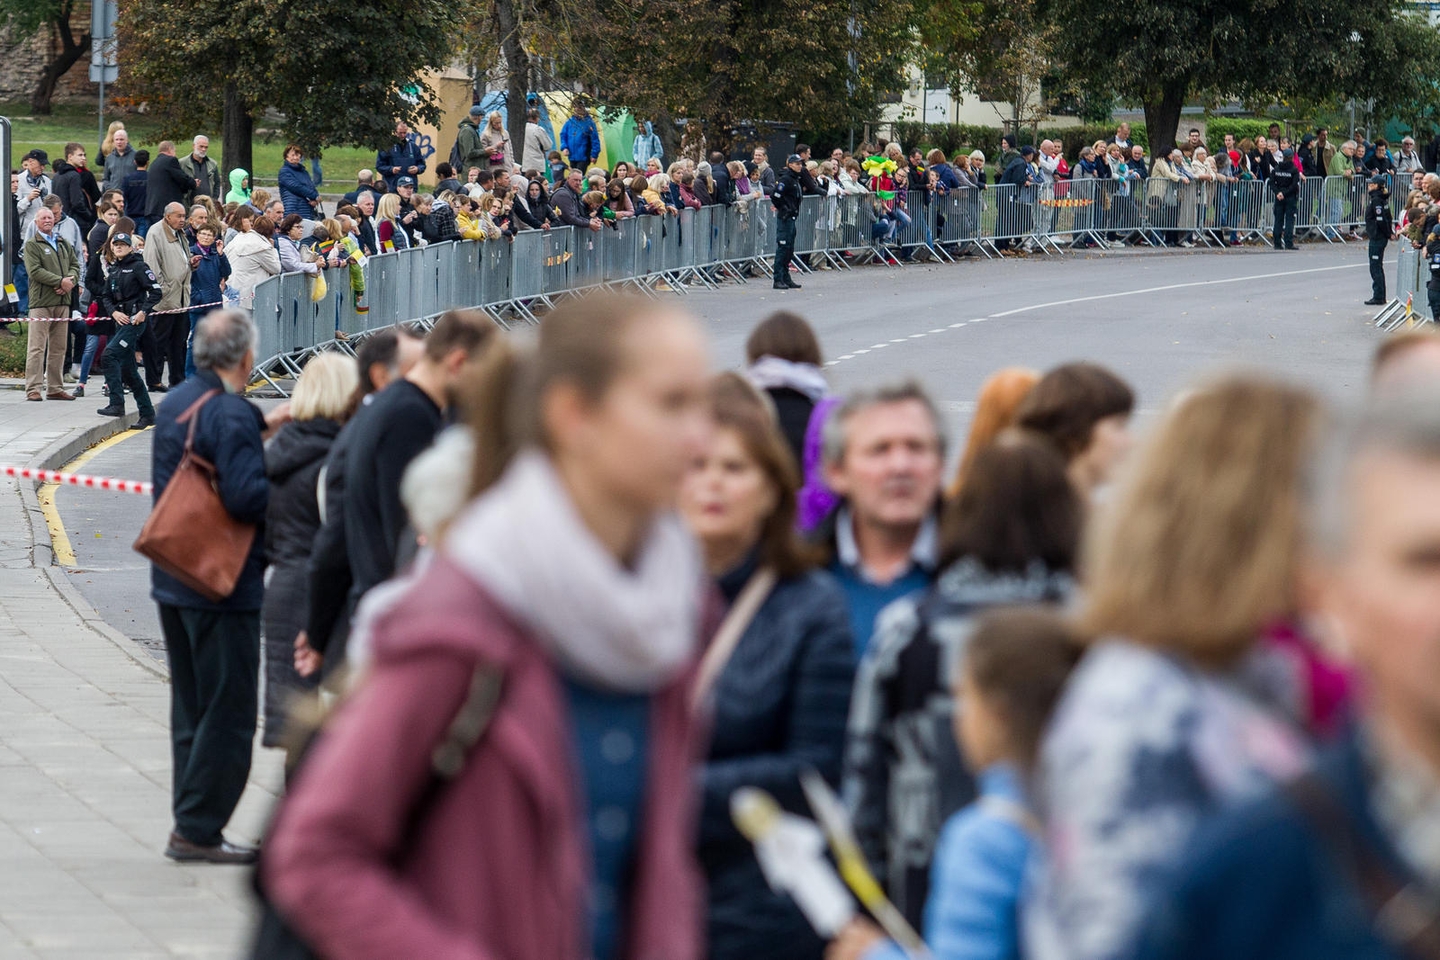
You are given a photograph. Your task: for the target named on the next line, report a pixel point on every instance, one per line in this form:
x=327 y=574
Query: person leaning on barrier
x=1378 y=226
x=786 y=198
x=1432 y=260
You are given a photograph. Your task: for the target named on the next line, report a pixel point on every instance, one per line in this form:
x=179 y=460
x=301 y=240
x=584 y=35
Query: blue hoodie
x=580 y=139
x=647 y=145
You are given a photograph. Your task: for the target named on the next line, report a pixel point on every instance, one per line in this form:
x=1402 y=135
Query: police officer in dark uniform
x=1285 y=185
x=130 y=293
x=786 y=199
x=1379 y=225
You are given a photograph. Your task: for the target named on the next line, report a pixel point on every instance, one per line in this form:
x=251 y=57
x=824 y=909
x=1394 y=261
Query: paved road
x=1159 y=319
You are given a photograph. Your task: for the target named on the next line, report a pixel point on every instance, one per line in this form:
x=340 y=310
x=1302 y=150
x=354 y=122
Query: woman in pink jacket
x=568 y=831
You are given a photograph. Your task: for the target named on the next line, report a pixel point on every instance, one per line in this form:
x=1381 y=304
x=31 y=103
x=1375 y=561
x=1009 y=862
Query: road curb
x=42 y=553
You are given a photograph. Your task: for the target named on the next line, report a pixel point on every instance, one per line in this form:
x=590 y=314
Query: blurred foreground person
x=1344 y=862
x=1010 y=538
x=1176 y=711
x=783 y=359
x=884 y=453
x=1085 y=411
x=1013 y=670
x=294 y=458
x=567 y=827
x=995 y=409
x=782 y=689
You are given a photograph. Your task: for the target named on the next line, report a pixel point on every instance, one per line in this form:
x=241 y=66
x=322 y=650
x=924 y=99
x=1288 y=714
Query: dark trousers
x=172 y=332
x=1432 y=293
x=120 y=368
x=150 y=352
x=1377 y=267
x=214 y=678
x=1285 y=223
x=784 y=248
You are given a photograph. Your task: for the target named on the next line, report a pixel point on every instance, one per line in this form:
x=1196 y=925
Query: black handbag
x=274 y=938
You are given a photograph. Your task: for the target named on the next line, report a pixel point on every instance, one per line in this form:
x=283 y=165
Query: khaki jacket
x=167 y=254
x=47 y=267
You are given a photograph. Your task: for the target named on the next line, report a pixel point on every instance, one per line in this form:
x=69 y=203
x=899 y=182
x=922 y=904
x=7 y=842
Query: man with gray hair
x=213 y=646
x=1345 y=861
x=884 y=453
x=202 y=169
x=167 y=254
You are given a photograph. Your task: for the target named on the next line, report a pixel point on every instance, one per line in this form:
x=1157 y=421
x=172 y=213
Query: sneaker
x=143 y=422
x=1187 y=244
x=1117 y=244
x=79 y=391
x=111 y=411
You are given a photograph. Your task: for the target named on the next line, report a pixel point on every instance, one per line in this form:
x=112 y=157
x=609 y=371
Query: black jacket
x=780 y=707
x=135 y=189
x=227 y=434
x=130 y=288
x=1285 y=179
x=534 y=213
x=293 y=460
x=364 y=518
x=439 y=224
x=786 y=197
x=724 y=189
x=1016 y=172
x=1379 y=221
x=166 y=184
x=68 y=187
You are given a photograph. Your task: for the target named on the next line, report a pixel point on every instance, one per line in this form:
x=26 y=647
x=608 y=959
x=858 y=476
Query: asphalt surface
x=1163 y=320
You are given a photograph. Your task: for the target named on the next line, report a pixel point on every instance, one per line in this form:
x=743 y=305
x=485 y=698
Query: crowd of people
x=210 y=240
x=569 y=595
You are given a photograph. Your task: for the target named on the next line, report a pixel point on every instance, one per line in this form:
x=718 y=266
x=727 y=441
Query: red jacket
x=498 y=869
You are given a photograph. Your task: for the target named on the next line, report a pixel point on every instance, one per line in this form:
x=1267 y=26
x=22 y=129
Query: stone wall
x=22 y=60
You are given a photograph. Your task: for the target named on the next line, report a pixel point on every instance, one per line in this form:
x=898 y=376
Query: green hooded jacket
x=239 y=186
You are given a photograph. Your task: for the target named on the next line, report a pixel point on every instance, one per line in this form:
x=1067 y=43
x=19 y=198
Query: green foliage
x=1164 y=53
x=731 y=61
x=337 y=79
x=1217 y=127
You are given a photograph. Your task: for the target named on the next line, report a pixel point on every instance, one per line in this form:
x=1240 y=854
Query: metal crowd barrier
x=513 y=280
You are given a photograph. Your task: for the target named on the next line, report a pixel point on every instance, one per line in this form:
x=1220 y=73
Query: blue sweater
x=612 y=734
x=976 y=878
x=865 y=599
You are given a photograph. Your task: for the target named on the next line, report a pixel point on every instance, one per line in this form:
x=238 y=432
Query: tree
x=336 y=79
x=1164 y=53
x=815 y=63
x=25 y=18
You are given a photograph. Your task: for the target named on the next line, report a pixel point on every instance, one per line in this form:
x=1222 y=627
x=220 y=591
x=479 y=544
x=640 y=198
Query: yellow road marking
x=59 y=539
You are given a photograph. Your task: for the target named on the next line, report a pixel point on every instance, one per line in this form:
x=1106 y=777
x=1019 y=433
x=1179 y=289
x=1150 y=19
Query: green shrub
x=1217 y=127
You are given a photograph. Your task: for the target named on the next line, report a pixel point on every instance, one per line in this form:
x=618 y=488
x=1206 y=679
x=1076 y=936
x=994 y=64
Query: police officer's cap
x=1380 y=180
x=122 y=238
x=793 y=158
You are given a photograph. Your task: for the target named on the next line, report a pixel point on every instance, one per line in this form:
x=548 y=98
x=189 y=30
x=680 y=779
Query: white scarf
x=769 y=373
x=624 y=630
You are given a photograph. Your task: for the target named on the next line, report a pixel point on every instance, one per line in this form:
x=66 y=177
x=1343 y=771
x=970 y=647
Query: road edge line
x=42 y=552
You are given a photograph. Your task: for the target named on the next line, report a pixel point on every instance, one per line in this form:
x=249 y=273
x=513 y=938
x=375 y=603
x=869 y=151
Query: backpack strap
x=1402 y=913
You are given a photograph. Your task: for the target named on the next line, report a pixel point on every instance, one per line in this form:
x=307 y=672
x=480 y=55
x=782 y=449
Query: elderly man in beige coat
x=167 y=254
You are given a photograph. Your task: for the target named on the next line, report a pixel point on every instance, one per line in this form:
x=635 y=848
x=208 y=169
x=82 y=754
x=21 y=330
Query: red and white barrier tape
x=142 y=487
x=153 y=313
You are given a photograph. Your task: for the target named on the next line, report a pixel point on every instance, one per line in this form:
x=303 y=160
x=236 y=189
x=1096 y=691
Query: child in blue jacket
x=1014 y=668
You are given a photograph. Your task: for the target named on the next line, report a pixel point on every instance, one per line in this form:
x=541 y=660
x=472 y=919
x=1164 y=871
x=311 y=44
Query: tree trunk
x=71 y=52
x=1162 y=118
x=237 y=130
x=517 y=70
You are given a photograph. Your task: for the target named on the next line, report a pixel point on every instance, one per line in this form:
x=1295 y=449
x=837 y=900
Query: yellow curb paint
x=59 y=539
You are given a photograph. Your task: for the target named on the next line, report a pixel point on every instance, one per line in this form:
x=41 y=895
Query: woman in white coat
x=253 y=257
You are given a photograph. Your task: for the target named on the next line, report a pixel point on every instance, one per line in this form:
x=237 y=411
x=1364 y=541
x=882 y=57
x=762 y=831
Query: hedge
x=1217 y=127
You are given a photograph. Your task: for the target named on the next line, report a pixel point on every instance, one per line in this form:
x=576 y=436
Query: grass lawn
x=77 y=123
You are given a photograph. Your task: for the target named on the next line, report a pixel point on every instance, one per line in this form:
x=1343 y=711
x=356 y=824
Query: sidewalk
x=85 y=753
